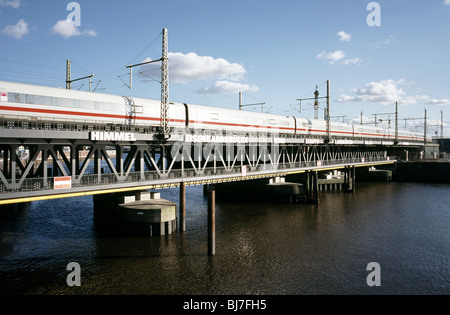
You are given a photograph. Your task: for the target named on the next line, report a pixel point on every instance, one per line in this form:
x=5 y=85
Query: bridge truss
x=32 y=166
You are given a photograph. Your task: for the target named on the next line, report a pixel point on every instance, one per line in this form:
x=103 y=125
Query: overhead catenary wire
x=35 y=68
x=77 y=65
x=55 y=72
x=144 y=49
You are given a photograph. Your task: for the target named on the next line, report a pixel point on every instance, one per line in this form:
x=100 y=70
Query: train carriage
x=58 y=108
x=229 y=120
x=368 y=132
x=341 y=130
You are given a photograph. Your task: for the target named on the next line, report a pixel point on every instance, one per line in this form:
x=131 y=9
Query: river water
x=261 y=248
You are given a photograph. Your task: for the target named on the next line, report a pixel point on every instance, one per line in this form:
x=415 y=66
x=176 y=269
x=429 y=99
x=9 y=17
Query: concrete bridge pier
x=282 y=191
x=332 y=181
x=141 y=211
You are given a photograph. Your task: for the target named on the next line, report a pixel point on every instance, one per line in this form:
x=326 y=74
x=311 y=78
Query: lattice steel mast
x=165 y=128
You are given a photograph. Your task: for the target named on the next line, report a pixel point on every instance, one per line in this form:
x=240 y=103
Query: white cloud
x=352 y=61
x=65 y=29
x=345 y=37
x=383 y=88
x=337 y=57
x=438 y=102
x=68 y=30
x=385 y=92
x=332 y=57
x=346 y=98
x=18 y=30
x=12 y=3
x=90 y=32
x=192 y=67
x=383 y=42
x=446 y=2
x=185 y=68
x=220 y=87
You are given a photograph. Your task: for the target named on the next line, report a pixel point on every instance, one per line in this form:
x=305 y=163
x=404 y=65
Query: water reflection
x=261 y=248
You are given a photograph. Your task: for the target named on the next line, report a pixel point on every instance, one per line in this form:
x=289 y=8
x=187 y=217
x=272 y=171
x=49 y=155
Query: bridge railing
x=149 y=177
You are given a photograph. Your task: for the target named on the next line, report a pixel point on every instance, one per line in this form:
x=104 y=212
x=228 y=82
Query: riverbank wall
x=422 y=171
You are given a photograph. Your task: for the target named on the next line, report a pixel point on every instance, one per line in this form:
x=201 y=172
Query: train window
x=63 y=102
x=14 y=97
x=138 y=109
x=214 y=116
x=273 y=122
x=84 y=104
x=66 y=102
x=105 y=106
x=39 y=99
x=51 y=101
x=29 y=99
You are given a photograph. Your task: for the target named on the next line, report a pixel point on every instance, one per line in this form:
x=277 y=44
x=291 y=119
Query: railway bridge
x=58 y=143
x=44 y=163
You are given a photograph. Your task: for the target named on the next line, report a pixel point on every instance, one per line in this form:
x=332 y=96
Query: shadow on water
x=255 y=191
x=13 y=211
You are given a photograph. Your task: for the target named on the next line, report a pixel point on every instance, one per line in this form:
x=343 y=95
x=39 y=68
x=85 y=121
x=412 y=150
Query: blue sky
x=273 y=51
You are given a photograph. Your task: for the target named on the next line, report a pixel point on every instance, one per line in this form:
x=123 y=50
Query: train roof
x=102 y=97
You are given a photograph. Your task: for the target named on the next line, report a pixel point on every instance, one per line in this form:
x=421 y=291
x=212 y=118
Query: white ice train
x=58 y=108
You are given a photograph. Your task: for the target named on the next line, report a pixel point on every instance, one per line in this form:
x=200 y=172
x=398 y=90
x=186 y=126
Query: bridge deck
x=90 y=186
x=42 y=164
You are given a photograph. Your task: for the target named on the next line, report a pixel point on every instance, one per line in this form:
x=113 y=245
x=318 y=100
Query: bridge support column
x=182 y=206
x=312 y=187
x=346 y=178
x=211 y=221
x=316 y=187
x=350 y=178
x=353 y=179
